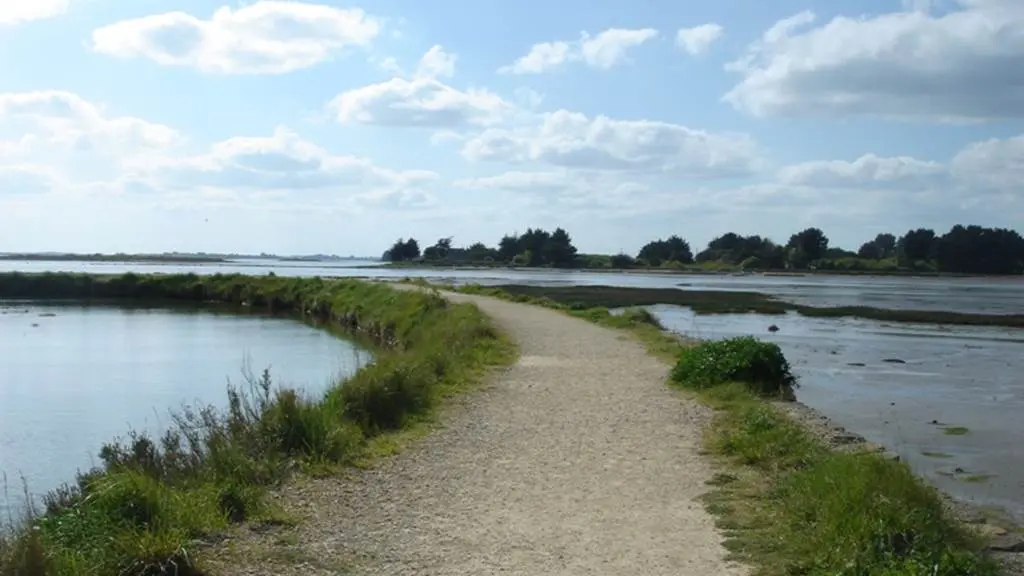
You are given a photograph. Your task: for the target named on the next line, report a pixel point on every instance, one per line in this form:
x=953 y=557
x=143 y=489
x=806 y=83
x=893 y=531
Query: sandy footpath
x=578 y=459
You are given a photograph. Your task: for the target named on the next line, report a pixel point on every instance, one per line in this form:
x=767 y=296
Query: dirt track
x=576 y=460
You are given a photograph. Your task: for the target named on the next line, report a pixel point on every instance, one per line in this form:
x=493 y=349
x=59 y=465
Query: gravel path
x=578 y=459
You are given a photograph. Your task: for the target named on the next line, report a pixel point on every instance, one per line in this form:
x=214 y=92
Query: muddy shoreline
x=1006 y=537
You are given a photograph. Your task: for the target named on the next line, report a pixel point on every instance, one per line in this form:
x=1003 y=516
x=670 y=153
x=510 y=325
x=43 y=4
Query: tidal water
x=75 y=377
x=977 y=295
x=902 y=386
x=953 y=375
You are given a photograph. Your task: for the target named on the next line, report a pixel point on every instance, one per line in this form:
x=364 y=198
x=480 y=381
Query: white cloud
x=26 y=180
x=962 y=65
x=436 y=62
x=995 y=164
x=283 y=162
x=420 y=101
x=19 y=11
x=542 y=57
x=573 y=140
x=602 y=52
x=609 y=47
x=39 y=122
x=266 y=37
x=869 y=169
x=698 y=40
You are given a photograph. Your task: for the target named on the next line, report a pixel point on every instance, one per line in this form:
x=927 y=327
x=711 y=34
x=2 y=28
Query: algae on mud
x=154 y=502
x=738 y=302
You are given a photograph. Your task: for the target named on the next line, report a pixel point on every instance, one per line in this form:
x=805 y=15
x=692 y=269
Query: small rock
x=773 y=328
x=855 y=364
x=958 y=470
x=989 y=530
x=895 y=361
x=846 y=438
x=1007 y=543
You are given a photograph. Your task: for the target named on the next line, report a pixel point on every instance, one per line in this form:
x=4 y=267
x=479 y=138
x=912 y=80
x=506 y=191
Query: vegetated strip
x=788 y=504
x=740 y=302
x=144 y=511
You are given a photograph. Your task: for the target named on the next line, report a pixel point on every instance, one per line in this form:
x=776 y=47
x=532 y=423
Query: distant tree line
x=963 y=249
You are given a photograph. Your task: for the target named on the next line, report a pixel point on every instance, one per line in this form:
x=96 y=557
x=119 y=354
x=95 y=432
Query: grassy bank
x=155 y=502
x=789 y=505
x=786 y=502
x=722 y=302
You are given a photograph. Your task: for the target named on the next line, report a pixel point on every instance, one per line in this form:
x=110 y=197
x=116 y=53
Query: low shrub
x=760 y=365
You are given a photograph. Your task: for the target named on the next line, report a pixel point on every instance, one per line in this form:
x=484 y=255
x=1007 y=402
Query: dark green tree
x=671 y=249
x=807 y=246
x=509 y=247
x=558 y=250
x=919 y=244
x=402 y=251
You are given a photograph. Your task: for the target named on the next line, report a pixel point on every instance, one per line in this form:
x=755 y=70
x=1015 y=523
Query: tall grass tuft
x=153 y=501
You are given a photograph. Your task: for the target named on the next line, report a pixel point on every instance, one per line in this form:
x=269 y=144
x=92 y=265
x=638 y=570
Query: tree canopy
x=964 y=249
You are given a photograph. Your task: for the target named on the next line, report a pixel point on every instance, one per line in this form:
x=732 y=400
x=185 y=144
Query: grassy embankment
x=788 y=504
x=723 y=302
x=154 y=502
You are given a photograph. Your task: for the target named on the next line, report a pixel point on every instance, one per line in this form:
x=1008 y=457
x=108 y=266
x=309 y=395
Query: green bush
x=759 y=365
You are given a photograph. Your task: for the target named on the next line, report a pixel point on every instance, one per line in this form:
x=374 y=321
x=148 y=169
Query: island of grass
x=729 y=302
x=154 y=501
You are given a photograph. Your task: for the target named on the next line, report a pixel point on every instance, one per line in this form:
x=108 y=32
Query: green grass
x=153 y=502
x=798 y=508
x=955 y=431
x=787 y=504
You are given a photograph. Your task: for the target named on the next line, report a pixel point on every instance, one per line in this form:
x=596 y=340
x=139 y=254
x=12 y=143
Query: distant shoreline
x=693 y=271
x=171 y=258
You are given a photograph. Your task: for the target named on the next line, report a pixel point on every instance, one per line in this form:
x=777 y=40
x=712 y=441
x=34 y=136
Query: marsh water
x=906 y=387
x=73 y=377
x=953 y=375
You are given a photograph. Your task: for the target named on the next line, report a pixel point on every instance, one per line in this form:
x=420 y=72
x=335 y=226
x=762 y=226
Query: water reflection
x=76 y=377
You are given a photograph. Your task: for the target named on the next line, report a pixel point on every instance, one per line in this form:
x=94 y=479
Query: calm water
x=75 y=377
x=989 y=296
x=958 y=376
x=966 y=376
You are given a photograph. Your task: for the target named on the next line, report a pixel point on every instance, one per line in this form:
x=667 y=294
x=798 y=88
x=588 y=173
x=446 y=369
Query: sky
x=304 y=127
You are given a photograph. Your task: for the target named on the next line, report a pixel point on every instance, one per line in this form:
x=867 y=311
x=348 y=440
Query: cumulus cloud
x=282 y=161
x=26 y=180
x=266 y=37
x=992 y=165
x=607 y=49
x=43 y=120
x=963 y=65
x=574 y=140
x=436 y=62
x=698 y=40
x=420 y=101
x=19 y=11
x=869 y=169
